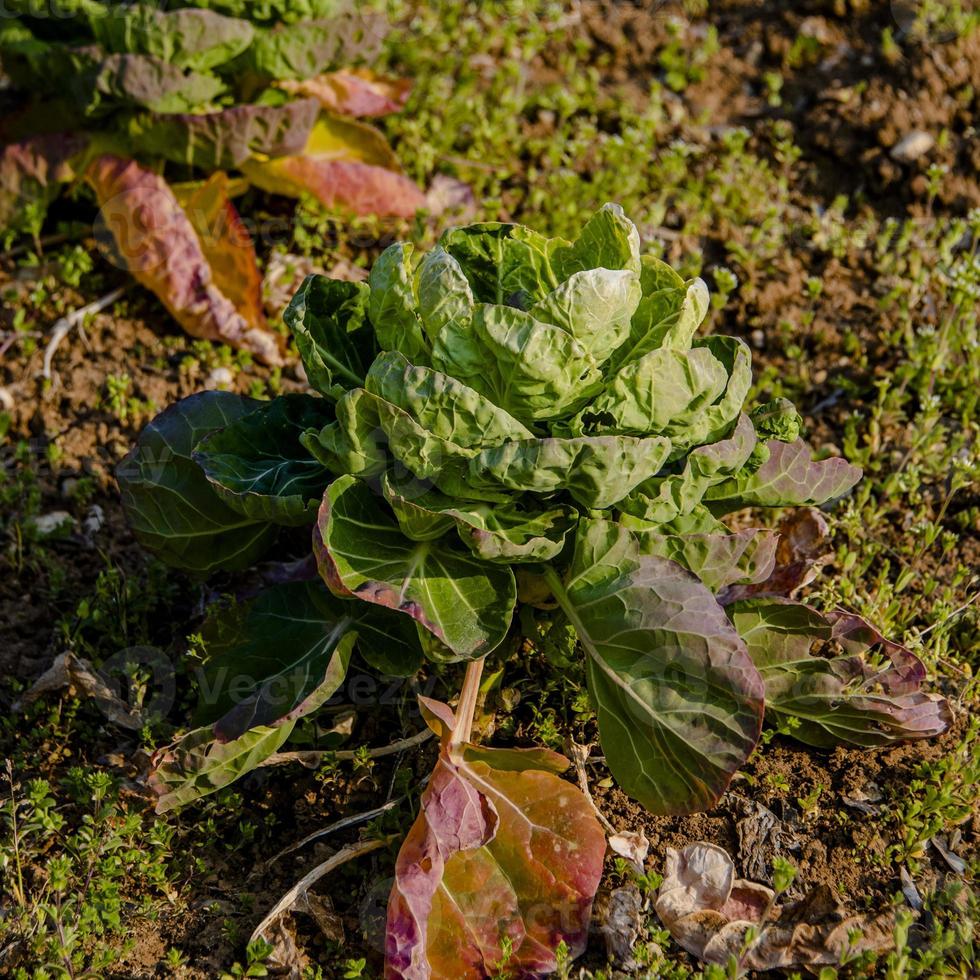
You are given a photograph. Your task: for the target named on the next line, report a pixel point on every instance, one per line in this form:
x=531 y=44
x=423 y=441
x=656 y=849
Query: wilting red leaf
x=346 y=164
x=502 y=850
x=156 y=241
x=354 y=92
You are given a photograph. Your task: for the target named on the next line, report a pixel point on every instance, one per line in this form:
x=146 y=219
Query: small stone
x=758 y=339
x=220 y=377
x=54 y=522
x=94 y=520
x=912 y=146
x=6 y=400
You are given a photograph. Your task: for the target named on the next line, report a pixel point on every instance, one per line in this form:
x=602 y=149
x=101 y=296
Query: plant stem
x=466 y=709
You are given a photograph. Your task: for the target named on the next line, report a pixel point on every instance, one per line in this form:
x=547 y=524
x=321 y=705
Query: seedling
x=515 y=424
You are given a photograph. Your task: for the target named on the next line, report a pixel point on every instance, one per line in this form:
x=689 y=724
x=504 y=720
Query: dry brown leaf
x=69 y=671
x=708 y=911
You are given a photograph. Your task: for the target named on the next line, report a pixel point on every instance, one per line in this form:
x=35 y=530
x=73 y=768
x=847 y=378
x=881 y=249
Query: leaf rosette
x=510 y=419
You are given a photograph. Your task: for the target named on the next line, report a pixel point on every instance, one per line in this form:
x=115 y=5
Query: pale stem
x=468 y=696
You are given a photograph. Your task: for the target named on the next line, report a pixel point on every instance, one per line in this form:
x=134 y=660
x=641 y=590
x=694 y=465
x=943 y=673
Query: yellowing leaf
x=171 y=254
x=345 y=164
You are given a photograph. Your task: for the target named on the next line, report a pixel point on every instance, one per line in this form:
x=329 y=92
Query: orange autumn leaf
x=155 y=240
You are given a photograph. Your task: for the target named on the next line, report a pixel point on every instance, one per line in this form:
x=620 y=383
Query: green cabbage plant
x=513 y=437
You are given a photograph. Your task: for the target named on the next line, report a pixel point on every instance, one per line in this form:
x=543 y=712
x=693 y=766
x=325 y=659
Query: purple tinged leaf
x=865 y=690
x=789 y=477
x=503 y=853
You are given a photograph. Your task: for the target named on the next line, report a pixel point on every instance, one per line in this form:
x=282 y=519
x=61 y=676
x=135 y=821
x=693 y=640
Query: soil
x=847 y=107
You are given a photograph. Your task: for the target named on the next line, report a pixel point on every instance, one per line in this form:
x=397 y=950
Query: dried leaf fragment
x=709 y=911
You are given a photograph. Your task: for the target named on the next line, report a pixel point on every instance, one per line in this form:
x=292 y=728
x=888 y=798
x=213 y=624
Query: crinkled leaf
x=789 y=477
x=494 y=532
x=355 y=442
x=679 y=700
x=268 y=655
x=197 y=764
x=310 y=47
x=664 y=498
x=504 y=263
x=595 y=307
x=655 y=274
x=609 y=240
x=598 y=471
x=259 y=467
x=719 y=557
x=100 y=82
x=228 y=250
x=690 y=396
x=536 y=371
x=328 y=319
x=353 y=92
x=393 y=304
x=345 y=164
x=441 y=404
x=169 y=503
x=869 y=693
x=664 y=319
x=156 y=241
x=228 y=137
x=198 y=39
x=466 y=603
x=444 y=295
x=503 y=855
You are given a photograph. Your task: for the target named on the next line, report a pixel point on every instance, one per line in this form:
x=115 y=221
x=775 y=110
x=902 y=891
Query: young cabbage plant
x=513 y=423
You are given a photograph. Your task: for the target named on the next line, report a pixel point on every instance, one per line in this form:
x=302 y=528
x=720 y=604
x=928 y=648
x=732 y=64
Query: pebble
x=912 y=146
x=220 y=377
x=6 y=400
x=758 y=339
x=94 y=520
x=54 y=521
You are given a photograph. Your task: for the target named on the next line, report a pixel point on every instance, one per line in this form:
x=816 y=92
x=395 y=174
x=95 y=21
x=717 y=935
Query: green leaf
x=503 y=263
x=598 y=471
x=197 y=39
x=679 y=701
x=441 y=404
x=307 y=48
x=866 y=692
x=393 y=304
x=788 y=478
x=266 y=656
x=259 y=467
x=664 y=498
x=445 y=296
x=655 y=275
x=536 y=371
x=465 y=603
x=169 y=503
x=718 y=556
x=494 y=532
x=327 y=318
x=355 y=442
x=226 y=138
x=609 y=240
x=198 y=765
x=665 y=319
x=595 y=306
x=690 y=396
